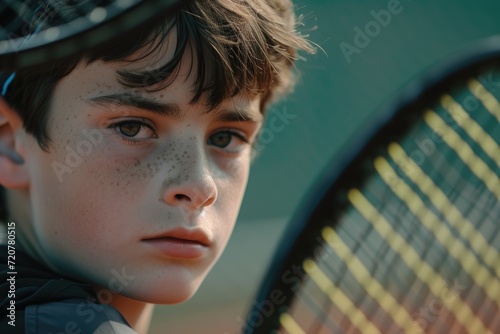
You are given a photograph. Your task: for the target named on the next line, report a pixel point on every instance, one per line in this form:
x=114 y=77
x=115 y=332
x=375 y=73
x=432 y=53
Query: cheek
x=75 y=190
x=230 y=195
x=90 y=213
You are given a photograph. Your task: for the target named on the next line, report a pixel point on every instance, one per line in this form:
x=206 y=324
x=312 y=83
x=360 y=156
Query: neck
x=138 y=314
x=17 y=202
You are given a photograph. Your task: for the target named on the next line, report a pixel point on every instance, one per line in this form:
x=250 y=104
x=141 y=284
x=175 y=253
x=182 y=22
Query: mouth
x=180 y=243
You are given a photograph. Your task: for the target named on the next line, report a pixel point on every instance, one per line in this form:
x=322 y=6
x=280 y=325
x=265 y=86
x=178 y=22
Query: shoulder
x=75 y=316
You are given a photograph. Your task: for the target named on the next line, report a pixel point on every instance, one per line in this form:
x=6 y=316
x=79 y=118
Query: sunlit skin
x=151 y=172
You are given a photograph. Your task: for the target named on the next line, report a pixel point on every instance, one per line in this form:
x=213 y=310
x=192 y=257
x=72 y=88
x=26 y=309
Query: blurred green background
x=334 y=96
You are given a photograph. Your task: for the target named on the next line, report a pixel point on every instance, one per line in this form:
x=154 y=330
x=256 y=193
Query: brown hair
x=242 y=46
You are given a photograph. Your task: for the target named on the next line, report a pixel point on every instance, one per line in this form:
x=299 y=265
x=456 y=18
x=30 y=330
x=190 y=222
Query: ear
x=13 y=171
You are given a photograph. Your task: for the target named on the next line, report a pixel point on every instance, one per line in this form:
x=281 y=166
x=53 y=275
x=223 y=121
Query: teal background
x=334 y=97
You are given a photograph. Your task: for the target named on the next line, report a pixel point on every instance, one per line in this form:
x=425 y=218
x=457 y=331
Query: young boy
x=123 y=169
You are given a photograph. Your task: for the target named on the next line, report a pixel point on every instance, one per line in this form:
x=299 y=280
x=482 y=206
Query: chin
x=174 y=290
x=163 y=296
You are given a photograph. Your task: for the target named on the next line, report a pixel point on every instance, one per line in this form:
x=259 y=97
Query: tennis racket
x=36 y=31
x=402 y=233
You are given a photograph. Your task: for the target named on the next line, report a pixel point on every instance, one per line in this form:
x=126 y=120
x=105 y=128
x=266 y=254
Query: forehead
x=157 y=74
x=164 y=61
x=99 y=83
x=144 y=66
x=97 y=77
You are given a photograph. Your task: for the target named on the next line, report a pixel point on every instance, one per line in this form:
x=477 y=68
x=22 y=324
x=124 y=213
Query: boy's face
x=126 y=167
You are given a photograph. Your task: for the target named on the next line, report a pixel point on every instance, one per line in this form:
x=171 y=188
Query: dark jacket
x=46 y=303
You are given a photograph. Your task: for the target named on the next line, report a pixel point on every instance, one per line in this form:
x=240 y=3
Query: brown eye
x=134 y=130
x=221 y=139
x=228 y=141
x=129 y=129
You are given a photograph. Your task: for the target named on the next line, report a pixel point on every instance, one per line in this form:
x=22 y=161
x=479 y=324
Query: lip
x=180 y=243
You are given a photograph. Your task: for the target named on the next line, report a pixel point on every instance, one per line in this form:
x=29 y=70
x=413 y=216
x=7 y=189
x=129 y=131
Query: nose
x=190 y=184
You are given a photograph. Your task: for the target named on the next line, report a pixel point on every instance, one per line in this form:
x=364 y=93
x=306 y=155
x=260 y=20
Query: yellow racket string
x=385 y=299
x=474 y=130
x=290 y=324
x=453 y=215
x=487 y=99
x=427 y=218
x=454 y=141
x=427 y=275
x=338 y=297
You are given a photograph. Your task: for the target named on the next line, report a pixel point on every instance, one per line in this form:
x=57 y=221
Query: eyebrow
x=140 y=102
x=226 y=115
x=169 y=109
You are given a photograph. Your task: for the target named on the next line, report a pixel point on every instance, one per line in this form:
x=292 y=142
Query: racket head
x=304 y=243
x=92 y=24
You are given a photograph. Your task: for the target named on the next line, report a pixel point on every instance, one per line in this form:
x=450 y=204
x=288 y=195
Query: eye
x=221 y=139
x=133 y=129
x=129 y=129
x=230 y=141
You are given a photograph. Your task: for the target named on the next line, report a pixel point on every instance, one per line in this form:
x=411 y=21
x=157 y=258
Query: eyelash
x=142 y=124
x=129 y=140
x=236 y=134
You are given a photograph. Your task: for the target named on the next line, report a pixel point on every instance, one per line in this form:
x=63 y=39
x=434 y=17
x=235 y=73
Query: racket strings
x=10 y=27
x=339 y=269
x=353 y=282
x=419 y=245
x=408 y=255
x=482 y=139
x=20 y=20
x=456 y=250
x=447 y=209
x=315 y=305
x=379 y=272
